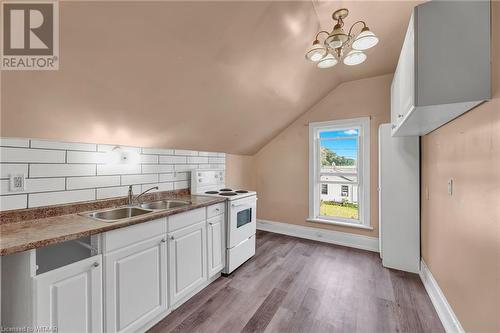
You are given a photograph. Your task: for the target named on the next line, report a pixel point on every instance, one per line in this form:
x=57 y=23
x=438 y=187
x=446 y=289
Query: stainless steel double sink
x=121 y=213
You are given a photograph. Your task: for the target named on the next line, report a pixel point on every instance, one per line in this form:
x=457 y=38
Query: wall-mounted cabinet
x=444 y=68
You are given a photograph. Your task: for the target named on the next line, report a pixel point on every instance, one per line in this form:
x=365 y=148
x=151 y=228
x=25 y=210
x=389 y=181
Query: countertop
x=30 y=234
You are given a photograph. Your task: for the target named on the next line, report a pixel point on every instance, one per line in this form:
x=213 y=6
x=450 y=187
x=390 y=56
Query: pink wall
x=282 y=165
x=461 y=233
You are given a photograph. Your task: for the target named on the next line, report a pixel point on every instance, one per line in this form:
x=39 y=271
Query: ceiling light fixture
x=337 y=43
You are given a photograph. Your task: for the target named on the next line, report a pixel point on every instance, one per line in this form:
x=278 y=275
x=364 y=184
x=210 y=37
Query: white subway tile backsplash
x=149 y=159
x=57 y=198
x=197 y=159
x=74 y=183
x=61 y=170
x=9 y=202
x=118 y=169
x=108 y=148
x=35 y=185
x=216 y=160
x=170 y=177
x=63 y=145
x=185 y=152
x=157 y=168
x=31 y=155
x=14 y=169
x=14 y=142
x=139 y=179
x=157 y=151
x=173 y=159
x=181 y=185
x=87 y=157
x=119 y=191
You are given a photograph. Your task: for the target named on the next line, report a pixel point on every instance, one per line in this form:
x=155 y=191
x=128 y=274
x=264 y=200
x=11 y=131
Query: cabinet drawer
x=215 y=210
x=116 y=239
x=182 y=220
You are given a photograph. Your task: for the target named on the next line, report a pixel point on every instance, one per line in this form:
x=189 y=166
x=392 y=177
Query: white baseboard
x=322 y=235
x=445 y=312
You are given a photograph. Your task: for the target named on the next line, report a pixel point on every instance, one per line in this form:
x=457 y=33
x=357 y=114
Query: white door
x=135 y=284
x=187 y=260
x=216 y=246
x=70 y=298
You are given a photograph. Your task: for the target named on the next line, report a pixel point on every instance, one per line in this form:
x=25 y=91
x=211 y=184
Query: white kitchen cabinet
x=70 y=298
x=216 y=248
x=437 y=78
x=136 y=284
x=187 y=260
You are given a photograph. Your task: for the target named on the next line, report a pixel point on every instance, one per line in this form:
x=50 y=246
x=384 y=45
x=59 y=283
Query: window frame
x=363 y=166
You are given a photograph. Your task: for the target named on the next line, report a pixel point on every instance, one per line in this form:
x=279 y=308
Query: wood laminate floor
x=297 y=285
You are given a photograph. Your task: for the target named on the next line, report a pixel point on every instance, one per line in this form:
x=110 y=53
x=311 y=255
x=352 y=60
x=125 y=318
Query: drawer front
x=116 y=239
x=215 y=210
x=182 y=220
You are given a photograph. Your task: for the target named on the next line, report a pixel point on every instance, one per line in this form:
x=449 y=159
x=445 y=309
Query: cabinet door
x=216 y=245
x=69 y=298
x=135 y=285
x=187 y=260
x=406 y=75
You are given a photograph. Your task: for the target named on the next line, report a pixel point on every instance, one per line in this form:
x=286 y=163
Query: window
x=339 y=172
x=344 y=191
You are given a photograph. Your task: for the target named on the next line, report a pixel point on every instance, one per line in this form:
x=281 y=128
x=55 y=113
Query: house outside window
x=339 y=172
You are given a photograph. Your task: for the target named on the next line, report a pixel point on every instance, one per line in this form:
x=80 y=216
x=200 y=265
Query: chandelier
x=338 y=45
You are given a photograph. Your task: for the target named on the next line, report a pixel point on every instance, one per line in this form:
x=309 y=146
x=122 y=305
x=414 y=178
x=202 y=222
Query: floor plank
x=298 y=285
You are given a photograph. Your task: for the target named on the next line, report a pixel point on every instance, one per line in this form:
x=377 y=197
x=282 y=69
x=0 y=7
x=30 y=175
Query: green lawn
x=337 y=210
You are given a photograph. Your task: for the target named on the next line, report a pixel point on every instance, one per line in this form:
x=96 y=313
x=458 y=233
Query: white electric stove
x=241 y=214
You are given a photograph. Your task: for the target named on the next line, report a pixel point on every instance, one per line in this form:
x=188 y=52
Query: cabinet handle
x=172 y=237
x=163 y=240
x=400 y=116
x=96 y=264
x=217 y=209
x=210 y=223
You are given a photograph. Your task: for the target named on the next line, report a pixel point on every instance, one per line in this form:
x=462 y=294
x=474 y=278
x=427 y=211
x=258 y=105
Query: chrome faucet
x=131 y=194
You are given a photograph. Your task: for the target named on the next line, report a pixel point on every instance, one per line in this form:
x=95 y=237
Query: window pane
x=339 y=151
x=339 y=178
x=341 y=201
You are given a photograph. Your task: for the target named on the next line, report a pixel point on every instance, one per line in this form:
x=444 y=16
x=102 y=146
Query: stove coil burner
x=228 y=194
x=241 y=191
x=212 y=192
x=226 y=190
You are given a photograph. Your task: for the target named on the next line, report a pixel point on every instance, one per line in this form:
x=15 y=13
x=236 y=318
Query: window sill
x=339 y=223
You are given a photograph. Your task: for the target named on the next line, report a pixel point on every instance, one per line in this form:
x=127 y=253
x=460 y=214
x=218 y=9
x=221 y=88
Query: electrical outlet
x=450 y=187
x=17 y=183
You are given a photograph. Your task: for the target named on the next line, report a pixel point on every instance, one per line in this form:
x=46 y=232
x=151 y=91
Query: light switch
x=450 y=187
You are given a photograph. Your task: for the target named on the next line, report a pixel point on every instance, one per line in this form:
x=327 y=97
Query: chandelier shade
x=328 y=61
x=365 y=40
x=354 y=57
x=316 y=52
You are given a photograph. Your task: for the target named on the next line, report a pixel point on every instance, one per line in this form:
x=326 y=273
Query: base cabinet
x=187 y=260
x=216 y=248
x=69 y=298
x=136 y=285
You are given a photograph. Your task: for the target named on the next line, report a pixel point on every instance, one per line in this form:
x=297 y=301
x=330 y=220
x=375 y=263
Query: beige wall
x=461 y=233
x=282 y=165
x=240 y=171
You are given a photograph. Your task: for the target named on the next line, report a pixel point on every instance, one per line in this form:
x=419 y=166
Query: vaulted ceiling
x=219 y=76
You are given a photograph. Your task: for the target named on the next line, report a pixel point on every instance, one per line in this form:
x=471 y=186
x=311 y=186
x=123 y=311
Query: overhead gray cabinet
x=444 y=68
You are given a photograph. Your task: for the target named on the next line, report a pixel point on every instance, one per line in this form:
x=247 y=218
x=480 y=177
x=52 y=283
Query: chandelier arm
x=352 y=26
x=322 y=31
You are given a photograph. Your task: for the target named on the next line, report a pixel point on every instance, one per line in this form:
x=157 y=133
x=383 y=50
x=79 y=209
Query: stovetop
x=229 y=193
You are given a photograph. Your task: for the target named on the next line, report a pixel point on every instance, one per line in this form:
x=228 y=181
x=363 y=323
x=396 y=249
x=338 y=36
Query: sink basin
x=117 y=214
x=165 y=204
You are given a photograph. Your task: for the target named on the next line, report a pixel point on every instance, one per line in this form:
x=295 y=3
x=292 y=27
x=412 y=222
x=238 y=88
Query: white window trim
x=364 y=171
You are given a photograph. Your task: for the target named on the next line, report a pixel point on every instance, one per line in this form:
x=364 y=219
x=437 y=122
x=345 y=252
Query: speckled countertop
x=18 y=236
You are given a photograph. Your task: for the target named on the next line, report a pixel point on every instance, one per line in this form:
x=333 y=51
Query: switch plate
x=450 y=187
x=17 y=183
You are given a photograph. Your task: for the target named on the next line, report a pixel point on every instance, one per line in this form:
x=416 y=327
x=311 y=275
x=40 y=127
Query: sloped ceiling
x=217 y=76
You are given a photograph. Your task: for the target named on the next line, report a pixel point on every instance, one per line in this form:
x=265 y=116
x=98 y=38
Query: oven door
x=242 y=220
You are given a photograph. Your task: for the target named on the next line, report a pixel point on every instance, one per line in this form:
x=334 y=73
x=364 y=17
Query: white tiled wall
x=65 y=172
